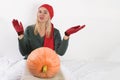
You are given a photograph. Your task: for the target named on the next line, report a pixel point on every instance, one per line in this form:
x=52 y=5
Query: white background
x=98 y=41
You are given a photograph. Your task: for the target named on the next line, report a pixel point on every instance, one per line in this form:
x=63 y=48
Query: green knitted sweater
x=30 y=41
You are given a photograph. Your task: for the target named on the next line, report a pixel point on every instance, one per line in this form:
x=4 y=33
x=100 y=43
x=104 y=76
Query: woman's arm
x=66 y=37
x=60 y=45
x=20 y=36
x=24 y=43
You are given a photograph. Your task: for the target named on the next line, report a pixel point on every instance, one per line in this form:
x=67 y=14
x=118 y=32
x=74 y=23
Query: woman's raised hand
x=73 y=29
x=18 y=27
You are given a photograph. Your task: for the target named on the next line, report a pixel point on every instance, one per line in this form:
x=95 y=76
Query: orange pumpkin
x=43 y=62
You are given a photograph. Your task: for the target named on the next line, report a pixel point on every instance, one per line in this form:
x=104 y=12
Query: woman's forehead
x=42 y=8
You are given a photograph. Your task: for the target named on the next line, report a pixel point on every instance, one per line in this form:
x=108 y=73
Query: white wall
x=97 y=41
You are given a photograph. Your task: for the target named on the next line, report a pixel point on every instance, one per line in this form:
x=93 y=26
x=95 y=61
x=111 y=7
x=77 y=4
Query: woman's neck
x=42 y=29
x=42 y=26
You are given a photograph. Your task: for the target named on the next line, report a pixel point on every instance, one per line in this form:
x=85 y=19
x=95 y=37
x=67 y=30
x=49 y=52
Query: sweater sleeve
x=60 y=45
x=24 y=44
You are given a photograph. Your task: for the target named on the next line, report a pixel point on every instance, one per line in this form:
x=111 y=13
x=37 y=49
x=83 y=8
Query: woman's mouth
x=41 y=18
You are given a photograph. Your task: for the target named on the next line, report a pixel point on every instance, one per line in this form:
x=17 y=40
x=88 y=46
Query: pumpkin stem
x=44 y=69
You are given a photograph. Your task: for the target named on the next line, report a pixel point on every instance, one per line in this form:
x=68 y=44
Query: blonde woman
x=43 y=33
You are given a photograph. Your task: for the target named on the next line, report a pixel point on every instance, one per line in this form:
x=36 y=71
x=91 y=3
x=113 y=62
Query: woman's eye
x=40 y=11
x=45 y=12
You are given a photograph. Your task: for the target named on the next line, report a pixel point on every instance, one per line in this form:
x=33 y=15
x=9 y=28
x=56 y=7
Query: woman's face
x=43 y=15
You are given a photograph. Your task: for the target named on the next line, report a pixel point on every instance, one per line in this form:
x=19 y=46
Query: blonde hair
x=47 y=28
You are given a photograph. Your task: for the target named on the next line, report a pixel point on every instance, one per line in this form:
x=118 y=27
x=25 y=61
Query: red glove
x=18 y=27
x=73 y=30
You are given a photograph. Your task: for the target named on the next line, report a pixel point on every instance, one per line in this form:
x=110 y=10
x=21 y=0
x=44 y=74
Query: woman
x=43 y=33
